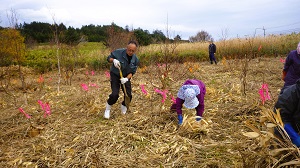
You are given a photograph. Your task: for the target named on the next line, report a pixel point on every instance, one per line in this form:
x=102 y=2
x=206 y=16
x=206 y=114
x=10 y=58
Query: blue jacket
x=126 y=67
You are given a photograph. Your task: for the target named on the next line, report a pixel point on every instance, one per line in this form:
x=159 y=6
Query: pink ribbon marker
x=25 y=114
x=47 y=110
x=93 y=73
x=107 y=74
x=41 y=79
x=143 y=89
x=41 y=104
x=264 y=93
x=161 y=65
x=163 y=93
x=45 y=107
x=173 y=99
x=259 y=48
x=85 y=87
x=282 y=60
x=93 y=85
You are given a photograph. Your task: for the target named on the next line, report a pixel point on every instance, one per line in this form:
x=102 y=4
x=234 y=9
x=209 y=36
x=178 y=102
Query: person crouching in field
x=191 y=95
x=288 y=104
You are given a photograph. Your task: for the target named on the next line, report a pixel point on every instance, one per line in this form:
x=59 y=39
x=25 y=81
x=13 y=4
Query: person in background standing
x=126 y=60
x=212 y=48
x=291 y=69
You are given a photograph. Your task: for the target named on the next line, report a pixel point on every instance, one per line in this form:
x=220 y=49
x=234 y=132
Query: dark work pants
x=115 y=84
x=212 y=58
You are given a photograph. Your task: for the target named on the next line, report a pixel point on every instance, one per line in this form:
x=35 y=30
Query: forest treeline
x=39 y=32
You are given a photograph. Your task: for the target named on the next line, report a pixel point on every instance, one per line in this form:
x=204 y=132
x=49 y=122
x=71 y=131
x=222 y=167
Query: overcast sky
x=220 y=18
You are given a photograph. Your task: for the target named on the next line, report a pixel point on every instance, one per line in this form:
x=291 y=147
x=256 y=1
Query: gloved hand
x=297 y=142
x=198 y=118
x=124 y=80
x=292 y=133
x=180 y=119
x=117 y=63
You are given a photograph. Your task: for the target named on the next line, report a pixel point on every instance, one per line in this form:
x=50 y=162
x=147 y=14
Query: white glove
x=116 y=63
x=124 y=80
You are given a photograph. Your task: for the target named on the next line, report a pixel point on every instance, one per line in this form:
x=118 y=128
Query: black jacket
x=212 y=48
x=288 y=104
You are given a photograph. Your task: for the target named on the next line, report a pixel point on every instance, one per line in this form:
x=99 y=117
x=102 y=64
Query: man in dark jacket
x=212 y=50
x=288 y=104
x=127 y=61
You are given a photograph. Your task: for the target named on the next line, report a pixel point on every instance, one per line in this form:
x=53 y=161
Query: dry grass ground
x=77 y=135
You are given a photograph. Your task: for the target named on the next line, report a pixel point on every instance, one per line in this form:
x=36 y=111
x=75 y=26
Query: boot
x=107 y=111
x=180 y=119
x=123 y=109
x=198 y=118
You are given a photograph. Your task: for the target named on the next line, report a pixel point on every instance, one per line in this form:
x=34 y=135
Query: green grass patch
x=93 y=54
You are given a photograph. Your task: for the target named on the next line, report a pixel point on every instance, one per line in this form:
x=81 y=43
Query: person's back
x=288 y=104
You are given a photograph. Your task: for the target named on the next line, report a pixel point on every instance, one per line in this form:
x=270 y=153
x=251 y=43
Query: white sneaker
x=107 y=114
x=107 y=111
x=123 y=109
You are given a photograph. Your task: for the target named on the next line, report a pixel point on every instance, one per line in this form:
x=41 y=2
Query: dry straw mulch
x=77 y=135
